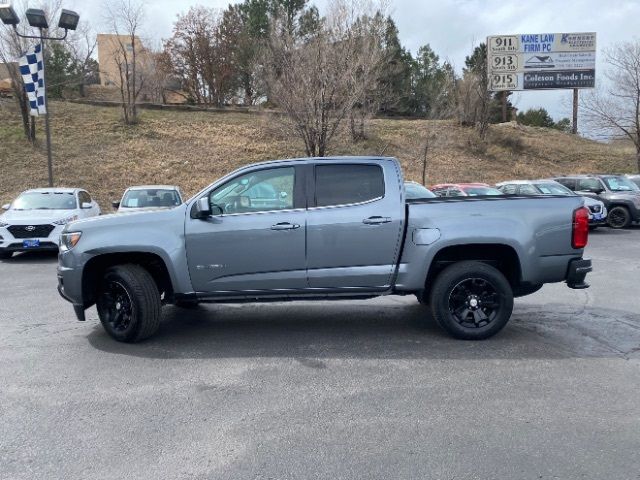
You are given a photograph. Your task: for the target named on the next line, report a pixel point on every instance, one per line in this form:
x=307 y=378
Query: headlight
x=2 y=224
x=69 y=240
x=64 y=221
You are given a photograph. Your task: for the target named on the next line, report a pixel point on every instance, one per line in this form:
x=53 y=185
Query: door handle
x=285 y=226
x=376 y=220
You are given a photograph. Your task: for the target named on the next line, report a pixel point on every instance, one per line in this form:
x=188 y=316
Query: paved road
x=325 y=390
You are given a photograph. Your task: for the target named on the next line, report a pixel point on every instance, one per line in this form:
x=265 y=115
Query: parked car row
x=35 y=219
x=612 y=200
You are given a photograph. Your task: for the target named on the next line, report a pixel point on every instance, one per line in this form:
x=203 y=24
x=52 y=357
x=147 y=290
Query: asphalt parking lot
x=325 y=390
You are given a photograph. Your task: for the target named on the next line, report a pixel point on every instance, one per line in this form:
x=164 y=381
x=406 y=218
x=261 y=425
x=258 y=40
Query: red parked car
x=464 y=190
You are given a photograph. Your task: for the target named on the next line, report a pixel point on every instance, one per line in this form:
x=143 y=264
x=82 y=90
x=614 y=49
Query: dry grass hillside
x=92 y=149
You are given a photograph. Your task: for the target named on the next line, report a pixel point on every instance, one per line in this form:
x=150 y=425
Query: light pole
x=37 y=19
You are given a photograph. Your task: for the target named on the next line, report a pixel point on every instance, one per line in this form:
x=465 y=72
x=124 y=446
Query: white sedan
x=35 y=219
x=148 y=197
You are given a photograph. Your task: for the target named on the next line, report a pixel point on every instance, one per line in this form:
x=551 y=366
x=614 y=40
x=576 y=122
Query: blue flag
x=32 y=71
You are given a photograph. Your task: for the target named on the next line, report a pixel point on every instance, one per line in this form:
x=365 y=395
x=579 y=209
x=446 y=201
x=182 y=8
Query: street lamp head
x=37 y=18
x=68 y=20
x=8 y=14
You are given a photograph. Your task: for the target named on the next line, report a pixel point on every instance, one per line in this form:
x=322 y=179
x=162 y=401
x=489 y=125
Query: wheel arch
x=501 y=256
x=152 y=262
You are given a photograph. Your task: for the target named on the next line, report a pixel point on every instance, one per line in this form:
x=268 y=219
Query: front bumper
x=577 y=272
x=69 y=272
x=9 y=243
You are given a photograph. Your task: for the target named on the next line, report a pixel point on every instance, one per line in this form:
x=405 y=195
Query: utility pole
x=574 y=124
x=47 y=128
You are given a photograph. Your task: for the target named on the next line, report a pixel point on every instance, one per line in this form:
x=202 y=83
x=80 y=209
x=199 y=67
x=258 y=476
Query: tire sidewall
x=452 y=276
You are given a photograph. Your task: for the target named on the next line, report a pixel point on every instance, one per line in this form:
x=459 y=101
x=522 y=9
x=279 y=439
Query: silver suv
x=620 y=195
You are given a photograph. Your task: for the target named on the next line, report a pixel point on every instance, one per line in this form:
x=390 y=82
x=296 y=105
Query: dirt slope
x=92 y=149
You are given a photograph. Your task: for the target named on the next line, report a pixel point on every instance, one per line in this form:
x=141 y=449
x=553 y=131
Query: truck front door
x=256 y=241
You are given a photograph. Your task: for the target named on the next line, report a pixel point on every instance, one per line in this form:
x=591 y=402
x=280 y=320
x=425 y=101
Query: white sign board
x=541 y=61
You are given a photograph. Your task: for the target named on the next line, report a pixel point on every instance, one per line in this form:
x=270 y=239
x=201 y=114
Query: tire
x=129 y=303
x=458 y=294
x=5 y=255
x=619 y=217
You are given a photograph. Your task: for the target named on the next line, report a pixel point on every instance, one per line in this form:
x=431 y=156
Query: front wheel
x=471 y=300
x=128 y=303
x=5 y=255
x=619 y=217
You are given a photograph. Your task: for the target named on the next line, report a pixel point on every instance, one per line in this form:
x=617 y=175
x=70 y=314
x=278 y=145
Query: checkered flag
x=32 y=71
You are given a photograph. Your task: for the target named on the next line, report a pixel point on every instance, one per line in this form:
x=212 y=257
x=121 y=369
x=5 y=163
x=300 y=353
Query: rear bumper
x=577 y=272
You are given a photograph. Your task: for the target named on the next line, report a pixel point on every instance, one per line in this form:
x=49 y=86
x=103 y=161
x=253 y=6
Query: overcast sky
x=453 y=27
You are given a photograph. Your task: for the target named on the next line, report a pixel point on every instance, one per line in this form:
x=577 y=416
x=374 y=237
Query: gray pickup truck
x=330 y=229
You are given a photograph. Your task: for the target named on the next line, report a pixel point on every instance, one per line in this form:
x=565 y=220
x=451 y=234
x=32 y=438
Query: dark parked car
x=619 y=194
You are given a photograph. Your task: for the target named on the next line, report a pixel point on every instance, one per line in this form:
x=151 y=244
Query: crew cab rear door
x=354 y=224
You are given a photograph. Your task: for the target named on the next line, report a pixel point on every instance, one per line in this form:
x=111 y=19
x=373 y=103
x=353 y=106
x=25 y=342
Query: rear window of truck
x=347 y=184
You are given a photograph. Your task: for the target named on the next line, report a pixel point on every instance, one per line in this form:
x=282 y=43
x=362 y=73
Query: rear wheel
x=471 y=300
x=619 y=217
x=129 y=303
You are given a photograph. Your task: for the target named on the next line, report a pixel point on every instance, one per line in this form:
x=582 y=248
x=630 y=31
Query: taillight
x=580 y=233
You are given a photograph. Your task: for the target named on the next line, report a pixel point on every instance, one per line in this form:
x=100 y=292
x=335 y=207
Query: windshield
x=45 y=201
x=475 y=191
x=155 y=197
x=620 y=184
x=553 y=189
x=414 y=190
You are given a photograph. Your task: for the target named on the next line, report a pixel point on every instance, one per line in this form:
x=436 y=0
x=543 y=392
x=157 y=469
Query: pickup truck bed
x=335 y=228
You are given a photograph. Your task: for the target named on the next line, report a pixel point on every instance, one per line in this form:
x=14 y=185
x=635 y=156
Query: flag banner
x=32 y=71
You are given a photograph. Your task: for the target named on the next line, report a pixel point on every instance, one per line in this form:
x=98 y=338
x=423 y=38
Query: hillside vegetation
x=92 y=149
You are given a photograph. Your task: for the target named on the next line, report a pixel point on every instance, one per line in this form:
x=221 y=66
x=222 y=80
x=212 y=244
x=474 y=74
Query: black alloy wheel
x=474 y=303
x=619 y=217
x=118 y=306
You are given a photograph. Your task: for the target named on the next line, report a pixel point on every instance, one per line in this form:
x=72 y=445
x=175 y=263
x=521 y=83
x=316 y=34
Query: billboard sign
x=541 y=61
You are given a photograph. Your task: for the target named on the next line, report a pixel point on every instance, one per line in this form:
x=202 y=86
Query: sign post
x=542 y=61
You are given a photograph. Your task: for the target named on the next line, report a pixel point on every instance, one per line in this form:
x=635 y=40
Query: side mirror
x=86 y=205
x=6 y=206
x=115 y=205
x=202 y=208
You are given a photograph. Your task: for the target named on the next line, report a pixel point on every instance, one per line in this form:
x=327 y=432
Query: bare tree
x=125 y=18
x=473 y=95
x=615 y=109
x=317 y=79
x=202 y=53
x=81 y=43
